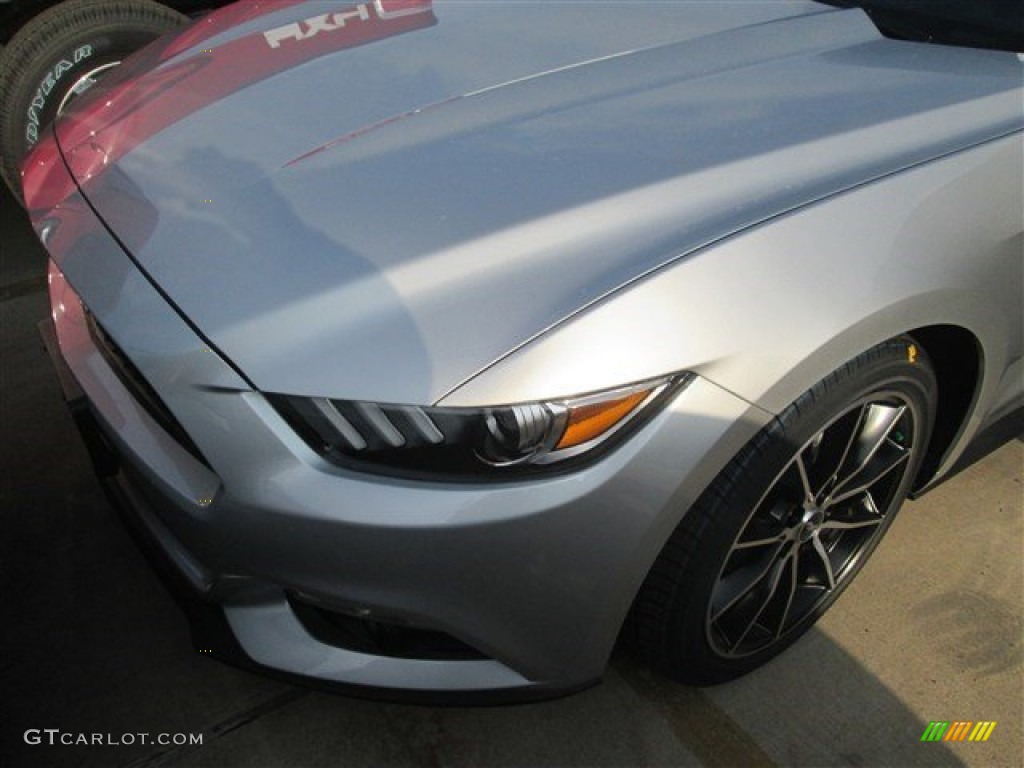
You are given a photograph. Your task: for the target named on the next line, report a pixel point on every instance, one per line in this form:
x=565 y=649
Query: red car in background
x=53 y=51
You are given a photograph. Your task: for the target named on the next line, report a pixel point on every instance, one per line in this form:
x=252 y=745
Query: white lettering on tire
x=47 y=85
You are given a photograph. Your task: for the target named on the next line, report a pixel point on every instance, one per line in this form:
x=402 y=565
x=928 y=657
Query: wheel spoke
x=773 y=585
x=793 y=584
x=877 y=426
x=852 y=438
x=741 y=583
x=836 y=442
x=805 y=481
x=842 y=525
x=754 y=543
x=872 y=475
x=766 y=526
x=867 y=518
x=872 y=508
x=825 y=560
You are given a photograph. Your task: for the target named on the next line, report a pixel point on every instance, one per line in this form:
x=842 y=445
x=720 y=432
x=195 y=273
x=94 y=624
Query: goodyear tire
x=60 y=53
x=788 y=524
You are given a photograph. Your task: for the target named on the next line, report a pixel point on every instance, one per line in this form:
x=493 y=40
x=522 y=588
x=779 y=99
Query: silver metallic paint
x=488 y=561
x=939 y=244
x=415 y=234
x=795 y=189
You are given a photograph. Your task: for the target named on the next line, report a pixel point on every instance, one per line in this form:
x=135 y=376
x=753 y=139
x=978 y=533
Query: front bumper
x=534 y=576
x=196 y=591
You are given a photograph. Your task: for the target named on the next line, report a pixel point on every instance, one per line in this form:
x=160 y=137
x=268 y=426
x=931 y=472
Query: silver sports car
x=435 y=347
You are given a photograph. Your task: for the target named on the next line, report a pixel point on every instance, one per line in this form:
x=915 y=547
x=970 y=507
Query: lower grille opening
x=379 y=638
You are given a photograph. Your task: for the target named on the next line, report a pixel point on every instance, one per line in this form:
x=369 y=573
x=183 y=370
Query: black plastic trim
x=378 y=638
x=139 y=387
x=472 y=470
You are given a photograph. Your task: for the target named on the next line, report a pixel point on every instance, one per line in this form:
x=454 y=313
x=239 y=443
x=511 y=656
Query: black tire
x=42 y=64
x=772 y=542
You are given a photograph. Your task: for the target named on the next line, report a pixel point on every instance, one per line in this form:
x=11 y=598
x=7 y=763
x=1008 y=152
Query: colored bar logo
x=958 y=730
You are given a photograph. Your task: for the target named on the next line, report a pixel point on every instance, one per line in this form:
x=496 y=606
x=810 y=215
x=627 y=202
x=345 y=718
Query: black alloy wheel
x=790 y=521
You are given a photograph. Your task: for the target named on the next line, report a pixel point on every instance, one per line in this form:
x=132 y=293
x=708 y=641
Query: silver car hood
x=384 y=217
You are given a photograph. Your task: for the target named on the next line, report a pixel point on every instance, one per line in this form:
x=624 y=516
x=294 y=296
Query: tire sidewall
x=53 y=74
x=53 y=52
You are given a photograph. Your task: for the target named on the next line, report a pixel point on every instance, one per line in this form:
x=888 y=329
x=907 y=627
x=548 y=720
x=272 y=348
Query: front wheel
x=787 y=525
x=58 y=55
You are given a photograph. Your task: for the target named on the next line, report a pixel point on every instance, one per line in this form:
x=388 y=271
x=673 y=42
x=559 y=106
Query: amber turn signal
x=587 y=422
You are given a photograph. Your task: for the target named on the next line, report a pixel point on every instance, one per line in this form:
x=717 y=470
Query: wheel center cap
x=810 y=523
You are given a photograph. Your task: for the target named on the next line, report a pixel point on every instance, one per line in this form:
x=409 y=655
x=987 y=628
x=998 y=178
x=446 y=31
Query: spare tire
x=58 y=55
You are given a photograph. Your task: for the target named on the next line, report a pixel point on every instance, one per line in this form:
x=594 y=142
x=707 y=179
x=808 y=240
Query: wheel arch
x=956 y=352
x=958 y=359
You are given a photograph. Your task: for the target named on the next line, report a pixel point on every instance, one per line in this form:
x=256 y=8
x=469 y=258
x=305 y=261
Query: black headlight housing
x=496 y=442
